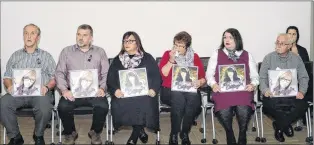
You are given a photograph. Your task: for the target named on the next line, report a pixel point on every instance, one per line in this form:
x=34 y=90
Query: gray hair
x=31 y=24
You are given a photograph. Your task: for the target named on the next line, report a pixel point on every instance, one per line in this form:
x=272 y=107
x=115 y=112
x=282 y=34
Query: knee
x=65 y=106
x=102 y=106
x=6 y=101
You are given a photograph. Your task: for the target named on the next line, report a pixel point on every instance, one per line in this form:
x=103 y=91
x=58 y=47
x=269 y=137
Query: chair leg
x=215 y=141
x=310 y=122
x=4 y=135
x=111 y=129
x=53 y=127
x=60 y=130
x=263 y=139
x=107 y=129
x=257 y=139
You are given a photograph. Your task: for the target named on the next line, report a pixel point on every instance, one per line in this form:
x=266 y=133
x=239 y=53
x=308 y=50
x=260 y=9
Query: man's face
x=282 y=44
x=83 y=37
x=30 y=36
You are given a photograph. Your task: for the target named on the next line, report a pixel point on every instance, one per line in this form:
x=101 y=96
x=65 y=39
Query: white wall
x=156 y=22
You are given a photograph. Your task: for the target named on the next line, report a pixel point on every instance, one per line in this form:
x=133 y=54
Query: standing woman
x=226 y=103
x=139 y=111
x=185 y=106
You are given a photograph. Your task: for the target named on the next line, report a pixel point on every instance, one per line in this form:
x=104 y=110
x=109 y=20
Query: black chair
x=28 y=112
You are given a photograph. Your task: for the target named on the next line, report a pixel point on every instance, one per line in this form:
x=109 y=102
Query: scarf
x=133 y=62
x=232 y=55
x=187 y=59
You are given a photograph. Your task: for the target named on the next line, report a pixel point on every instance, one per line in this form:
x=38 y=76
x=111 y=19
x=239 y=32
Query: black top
x=153 y=75
x=303 y=53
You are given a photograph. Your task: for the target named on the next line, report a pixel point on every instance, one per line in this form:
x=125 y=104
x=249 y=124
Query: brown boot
x=70 y=139
x=95 y=137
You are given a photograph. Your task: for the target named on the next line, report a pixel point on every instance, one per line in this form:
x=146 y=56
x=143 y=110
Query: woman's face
x=229 y=41
x=183 y=75
x=130 y=45
x=230 y=74
x=132 y=79
x=28 y=82
x=284 y=83
x=85 y=83
x=293 y=35
x=180 y=47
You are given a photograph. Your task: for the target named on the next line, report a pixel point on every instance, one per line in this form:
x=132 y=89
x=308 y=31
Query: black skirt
x=140 y=110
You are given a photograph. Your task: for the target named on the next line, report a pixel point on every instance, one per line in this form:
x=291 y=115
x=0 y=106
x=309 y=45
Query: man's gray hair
x=31 y=24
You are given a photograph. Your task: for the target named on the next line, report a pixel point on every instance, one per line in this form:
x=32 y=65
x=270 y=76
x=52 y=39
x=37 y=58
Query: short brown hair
x=86 y=27
x=31 y=24
x=183 y=37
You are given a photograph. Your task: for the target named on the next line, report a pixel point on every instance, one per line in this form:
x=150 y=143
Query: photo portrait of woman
x=133 y=84
x=231 y=80
x=27 y=85
x=283 y=85
x=183 y=80
x=84 y=87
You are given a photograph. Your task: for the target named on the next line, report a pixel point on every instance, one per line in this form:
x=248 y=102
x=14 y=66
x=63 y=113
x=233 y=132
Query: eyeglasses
x=281 y=44
x=178 y=46
x=285 y=80
x=128 y=41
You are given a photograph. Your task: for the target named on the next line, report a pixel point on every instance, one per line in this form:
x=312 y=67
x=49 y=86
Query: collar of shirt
x=36 y=52
x=237 y=53
x=78 y=48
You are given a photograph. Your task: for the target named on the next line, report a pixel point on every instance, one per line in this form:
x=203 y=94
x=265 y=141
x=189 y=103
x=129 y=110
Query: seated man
x=293 y=107
x=28 y=57
x=82 y=56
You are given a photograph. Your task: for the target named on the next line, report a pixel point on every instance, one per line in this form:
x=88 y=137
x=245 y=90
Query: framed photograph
x=84 y=83
x=283 y=83
x=133 y=82
x=26 y=82
x=183 y=78
x=232 y=78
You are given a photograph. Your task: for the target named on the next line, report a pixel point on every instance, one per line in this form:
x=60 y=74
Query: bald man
x=283 y=110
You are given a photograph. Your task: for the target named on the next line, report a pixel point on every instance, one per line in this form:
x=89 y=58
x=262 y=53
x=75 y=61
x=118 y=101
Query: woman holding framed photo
x=241 y=101
x=136 y=111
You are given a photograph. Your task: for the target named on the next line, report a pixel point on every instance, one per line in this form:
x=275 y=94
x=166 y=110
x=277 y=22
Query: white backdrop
x=156 y=22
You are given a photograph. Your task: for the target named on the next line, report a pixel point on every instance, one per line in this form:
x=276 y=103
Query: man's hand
x=216 y=88
x=118 y=93
x=68 y=95
x=44 y=90
x=268 y=93
x=151 y=93
x=10 y=90
x=300 y=95
x=249 y=88
x=101 y=93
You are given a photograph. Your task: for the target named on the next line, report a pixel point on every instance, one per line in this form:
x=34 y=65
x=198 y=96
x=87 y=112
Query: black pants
x=184 y=107
x=243 y=114
x=66 y=112
x=284 y=111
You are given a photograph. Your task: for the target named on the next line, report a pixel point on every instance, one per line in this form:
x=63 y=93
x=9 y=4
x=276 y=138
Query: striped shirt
x=39 y=59
x=72 y=58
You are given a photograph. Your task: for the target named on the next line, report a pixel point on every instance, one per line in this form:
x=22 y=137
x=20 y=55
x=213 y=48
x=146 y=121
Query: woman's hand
x=216 y=88
x=151 y=93
x=118 y=93
x=249 y=87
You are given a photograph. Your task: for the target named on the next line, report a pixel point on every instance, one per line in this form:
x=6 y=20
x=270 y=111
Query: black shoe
x=39 y=140
x=17 y=140
x=143 y=136
x=185 y=139
x=289 y=131
x=279 y=135
x=131 y=142
x=173 y=139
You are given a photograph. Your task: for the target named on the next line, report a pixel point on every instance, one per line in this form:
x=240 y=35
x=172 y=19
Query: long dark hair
x=297 y=31
x=187 y=77
x=237 y=39
x=137 y=40
x=235 y=75
x=137 y=79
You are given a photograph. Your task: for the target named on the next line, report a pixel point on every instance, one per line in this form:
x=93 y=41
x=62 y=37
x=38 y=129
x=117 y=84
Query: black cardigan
x=303 y=53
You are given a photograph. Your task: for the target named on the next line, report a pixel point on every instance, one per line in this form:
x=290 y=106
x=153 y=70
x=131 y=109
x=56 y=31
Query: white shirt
x=212 y=63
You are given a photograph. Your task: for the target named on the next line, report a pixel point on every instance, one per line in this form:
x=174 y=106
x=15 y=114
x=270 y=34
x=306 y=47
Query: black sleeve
x=303 y=53
x=113 y=82
x=153 y=74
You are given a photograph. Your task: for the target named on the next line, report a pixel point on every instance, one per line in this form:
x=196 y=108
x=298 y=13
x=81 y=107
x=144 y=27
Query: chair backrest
x=205 y=62
x=158 y=59
x=110 y=60
x=259 y=93
x=309 y=69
